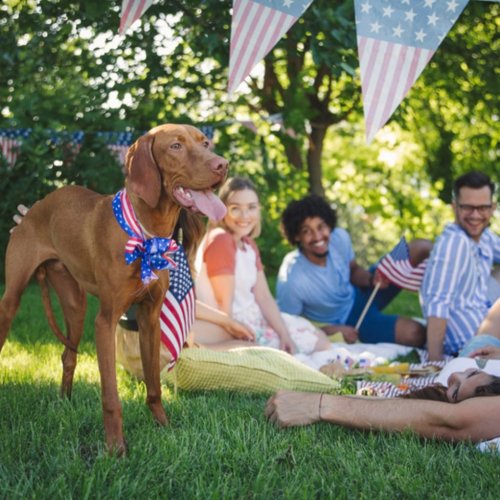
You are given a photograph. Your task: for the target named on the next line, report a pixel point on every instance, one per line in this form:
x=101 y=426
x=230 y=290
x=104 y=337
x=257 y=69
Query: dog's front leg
x=148 y=319
x=105 y=324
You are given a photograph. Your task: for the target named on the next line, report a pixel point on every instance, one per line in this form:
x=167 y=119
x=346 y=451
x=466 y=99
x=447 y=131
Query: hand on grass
x=288 y=409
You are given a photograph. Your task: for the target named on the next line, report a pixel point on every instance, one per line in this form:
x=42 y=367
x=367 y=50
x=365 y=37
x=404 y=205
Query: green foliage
x=43 y=166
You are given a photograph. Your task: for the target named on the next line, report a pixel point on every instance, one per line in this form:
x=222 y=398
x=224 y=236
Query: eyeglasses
x=469 y=209
x=240 y=211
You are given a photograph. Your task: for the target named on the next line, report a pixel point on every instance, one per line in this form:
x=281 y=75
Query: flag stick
x=367 y=306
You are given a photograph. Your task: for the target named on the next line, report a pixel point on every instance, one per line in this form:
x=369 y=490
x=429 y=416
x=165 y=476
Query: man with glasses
x=454 y=291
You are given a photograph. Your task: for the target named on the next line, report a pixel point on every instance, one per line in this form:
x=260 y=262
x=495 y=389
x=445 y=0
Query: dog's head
x=177 y=160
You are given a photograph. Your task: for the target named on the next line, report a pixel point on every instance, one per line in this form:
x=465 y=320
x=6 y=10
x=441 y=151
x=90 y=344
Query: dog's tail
x=41 y=277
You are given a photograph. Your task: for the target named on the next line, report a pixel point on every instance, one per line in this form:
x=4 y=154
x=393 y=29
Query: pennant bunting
x=131 y=11
x=256 y=27
x=10 y=142
x=396 y=40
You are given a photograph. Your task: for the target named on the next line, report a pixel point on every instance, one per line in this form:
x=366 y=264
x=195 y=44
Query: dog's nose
x=219 y=165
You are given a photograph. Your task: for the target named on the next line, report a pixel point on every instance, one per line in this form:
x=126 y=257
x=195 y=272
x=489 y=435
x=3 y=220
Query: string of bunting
x=396 y=40
x=11 y=139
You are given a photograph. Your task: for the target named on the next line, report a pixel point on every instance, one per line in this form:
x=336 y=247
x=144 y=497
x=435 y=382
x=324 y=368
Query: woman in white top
x=232 y=278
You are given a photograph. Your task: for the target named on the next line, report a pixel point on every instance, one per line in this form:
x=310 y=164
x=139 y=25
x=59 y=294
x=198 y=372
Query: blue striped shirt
x=456 y=282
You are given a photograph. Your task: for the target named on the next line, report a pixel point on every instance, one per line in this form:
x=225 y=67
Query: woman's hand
x=286 y=344
x=288 y=409
x=238 y=330
x=488 y=352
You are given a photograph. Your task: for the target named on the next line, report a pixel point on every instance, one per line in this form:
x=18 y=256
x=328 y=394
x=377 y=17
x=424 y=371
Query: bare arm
x=223 y=287
x=436 y=331
x=271 y=312
x=234 y=328
x=475 y=419
x=360 y=276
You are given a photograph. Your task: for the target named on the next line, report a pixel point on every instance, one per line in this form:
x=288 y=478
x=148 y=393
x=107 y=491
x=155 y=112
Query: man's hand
x=288 y=409
x=380 y=279
x=349 y=333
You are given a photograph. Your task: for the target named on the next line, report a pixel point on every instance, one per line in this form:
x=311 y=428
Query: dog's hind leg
x=73 y=300
x=148 y=318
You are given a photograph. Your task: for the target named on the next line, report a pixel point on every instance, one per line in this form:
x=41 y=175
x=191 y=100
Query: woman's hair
x=233 y=185
x=298 y=211
x=437 y=392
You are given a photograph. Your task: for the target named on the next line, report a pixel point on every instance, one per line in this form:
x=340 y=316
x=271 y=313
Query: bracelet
x=319 y=406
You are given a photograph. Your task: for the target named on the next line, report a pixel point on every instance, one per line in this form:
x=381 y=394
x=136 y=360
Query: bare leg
x=212 y=336
x=409 y=332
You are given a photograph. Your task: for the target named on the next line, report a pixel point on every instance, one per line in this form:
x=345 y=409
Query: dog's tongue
x=209 y=204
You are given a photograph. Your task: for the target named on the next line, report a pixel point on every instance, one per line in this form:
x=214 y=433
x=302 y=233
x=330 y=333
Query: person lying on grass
x=474 y=417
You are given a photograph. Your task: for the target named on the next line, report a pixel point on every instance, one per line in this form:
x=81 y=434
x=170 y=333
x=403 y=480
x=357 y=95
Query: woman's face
x=243 y=212
x=463 y=385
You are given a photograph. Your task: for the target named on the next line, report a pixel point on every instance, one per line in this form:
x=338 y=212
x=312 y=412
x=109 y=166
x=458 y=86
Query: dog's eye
x=206 y=144
x=176 y=145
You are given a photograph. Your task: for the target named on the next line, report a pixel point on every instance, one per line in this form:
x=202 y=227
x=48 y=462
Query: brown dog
x=73 y=235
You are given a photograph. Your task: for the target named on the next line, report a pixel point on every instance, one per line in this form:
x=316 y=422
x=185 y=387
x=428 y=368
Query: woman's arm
x=271 y=312
x=234 y=328
x=223 y=287
x=475 y=419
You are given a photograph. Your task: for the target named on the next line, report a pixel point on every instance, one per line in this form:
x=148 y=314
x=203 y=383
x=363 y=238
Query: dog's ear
x=143 y=176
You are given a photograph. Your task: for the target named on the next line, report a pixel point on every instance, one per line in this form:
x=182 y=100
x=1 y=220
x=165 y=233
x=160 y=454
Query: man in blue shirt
x=454 y=292
x=322 y=281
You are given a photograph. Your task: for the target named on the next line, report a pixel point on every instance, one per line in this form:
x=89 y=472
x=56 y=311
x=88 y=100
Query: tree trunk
x=314 y=154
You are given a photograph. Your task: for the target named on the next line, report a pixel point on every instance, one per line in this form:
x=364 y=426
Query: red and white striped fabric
x=396 y=267
x=131 y=11
x=178 y=309
x=396 y=40
x=10 y=142
x=256 y=27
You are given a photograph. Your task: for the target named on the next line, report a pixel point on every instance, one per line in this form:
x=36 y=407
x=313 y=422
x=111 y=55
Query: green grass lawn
x=218 y=444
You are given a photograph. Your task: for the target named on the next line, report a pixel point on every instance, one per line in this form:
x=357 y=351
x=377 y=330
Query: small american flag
x=256 y=27
x=396 y=267
x=396 y=40
x=131 y=11
x=178 y=309
x=10 y=142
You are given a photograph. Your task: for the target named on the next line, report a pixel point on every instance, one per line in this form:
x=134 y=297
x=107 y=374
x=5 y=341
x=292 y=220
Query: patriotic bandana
x=178 y=308
x=153 y=252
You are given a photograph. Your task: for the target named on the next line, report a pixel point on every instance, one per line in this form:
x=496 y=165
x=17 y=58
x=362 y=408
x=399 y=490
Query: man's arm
x=436 y=332
x=475 y=419
x=360 y=276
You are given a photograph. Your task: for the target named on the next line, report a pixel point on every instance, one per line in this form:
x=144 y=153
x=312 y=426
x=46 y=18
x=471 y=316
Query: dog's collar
x=154 y=251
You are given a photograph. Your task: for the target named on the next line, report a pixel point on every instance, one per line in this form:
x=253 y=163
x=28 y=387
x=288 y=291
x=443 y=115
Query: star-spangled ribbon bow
x=153 y=252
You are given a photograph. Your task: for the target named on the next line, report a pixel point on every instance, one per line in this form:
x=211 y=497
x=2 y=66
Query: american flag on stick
x=396 y=267
x=178 y=309
x=256 y=27
x=396 y=40
x=131 y=11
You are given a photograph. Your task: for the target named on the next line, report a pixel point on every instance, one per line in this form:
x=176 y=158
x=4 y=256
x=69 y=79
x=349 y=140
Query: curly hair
x=298 y=211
